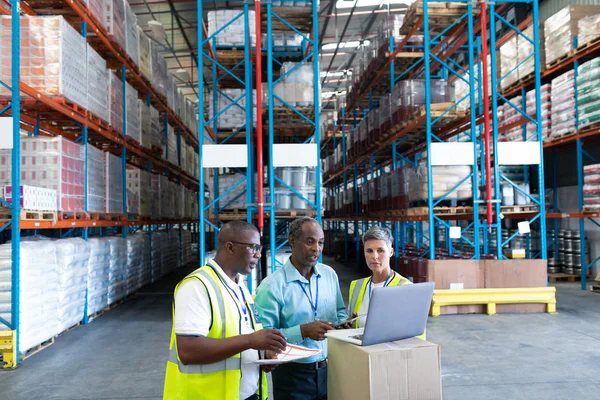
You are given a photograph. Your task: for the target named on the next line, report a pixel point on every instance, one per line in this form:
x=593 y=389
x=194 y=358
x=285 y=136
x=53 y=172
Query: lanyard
x=242 y=304
x=384 y=283
x=314 y=305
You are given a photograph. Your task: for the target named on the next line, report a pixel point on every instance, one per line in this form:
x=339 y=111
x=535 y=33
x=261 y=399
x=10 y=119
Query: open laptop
x=395 y=313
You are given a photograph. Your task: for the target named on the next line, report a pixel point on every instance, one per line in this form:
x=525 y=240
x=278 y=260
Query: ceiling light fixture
x=341 y=4
x=345 y=45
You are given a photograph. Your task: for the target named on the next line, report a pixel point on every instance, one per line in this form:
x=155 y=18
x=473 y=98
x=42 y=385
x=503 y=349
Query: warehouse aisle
x=122 y=354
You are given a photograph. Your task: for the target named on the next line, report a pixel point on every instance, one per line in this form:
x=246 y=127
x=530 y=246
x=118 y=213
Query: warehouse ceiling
x=346 y=22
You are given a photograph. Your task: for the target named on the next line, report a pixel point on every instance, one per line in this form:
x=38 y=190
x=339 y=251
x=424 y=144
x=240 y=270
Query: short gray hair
x=378 y=233
x=295 y=228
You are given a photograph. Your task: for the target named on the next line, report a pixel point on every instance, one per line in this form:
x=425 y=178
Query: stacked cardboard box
x=167 y=197
x=159 y=70
x=234 y=34
x=150 y=124
x=115 y=102
x=131 y=34
x=145 y=55
x=96 y=9
x=172 y=140
x=53 y=59
x=97 y=85
x=234 y=115
x=562 y=27
x=139 y=186
x=114 y=21
x=51 y=163
x=563 y=105
x=588 y=93
x=155 y=183
x=589 y=29
x=134 y=127
x=33 y=198
x=96 y=178
x=114 y=184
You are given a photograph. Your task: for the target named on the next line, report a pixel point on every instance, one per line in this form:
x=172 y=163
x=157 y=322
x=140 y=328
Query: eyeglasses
x=256 y=248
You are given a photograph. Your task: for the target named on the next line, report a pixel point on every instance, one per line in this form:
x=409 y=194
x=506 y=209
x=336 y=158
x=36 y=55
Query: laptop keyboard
x=358 y=337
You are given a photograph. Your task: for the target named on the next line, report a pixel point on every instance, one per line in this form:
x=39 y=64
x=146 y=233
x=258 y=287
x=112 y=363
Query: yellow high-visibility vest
x=359 y=287
x=220 y=380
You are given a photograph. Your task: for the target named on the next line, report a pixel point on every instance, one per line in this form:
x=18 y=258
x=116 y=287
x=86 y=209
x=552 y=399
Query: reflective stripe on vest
x=220 y=301
x=229 y=364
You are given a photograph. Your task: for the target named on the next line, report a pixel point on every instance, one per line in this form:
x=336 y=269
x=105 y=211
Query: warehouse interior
x=467 y=130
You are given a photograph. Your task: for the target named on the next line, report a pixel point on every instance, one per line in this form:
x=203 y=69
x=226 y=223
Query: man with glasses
x=216 y=331
x=304 y=300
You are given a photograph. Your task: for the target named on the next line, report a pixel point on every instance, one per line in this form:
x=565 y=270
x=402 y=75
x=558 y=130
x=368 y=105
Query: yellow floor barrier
x=7 y=348
x=491 y=297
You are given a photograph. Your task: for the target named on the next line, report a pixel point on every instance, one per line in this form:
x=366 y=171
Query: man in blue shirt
x=303 y=300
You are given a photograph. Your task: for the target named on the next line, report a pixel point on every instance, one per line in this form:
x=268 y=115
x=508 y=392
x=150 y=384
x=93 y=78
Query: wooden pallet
x=519 y=209
x=29 y=215
x=591 y=43
x=420 y=211
x=562 y=277
x=38 y=348
x=560 y=59
x=295 y=213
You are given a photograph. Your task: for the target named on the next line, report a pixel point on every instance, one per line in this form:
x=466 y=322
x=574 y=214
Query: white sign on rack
x=6 y=133
x=224 y=156
x=519 y=153
x=295 y=155
x=452 y=154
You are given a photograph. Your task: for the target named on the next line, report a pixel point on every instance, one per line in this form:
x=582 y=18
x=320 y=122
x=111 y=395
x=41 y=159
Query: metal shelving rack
x=307 y=137
x=78 y=126
x=466 y=32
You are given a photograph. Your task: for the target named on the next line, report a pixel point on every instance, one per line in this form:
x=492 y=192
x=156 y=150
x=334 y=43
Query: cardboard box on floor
x=472 y=274
x=405 y=369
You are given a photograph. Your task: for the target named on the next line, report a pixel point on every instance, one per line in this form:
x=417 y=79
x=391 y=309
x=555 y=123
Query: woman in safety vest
x=378 y=249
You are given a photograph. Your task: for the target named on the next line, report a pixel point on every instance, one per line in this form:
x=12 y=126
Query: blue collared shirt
x=282 y=304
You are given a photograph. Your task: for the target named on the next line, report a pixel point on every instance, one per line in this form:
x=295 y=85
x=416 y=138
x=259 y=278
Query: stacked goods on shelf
x=167 y=197
x=546 y=112
x=117 y=269
x=38 y=291
x=588 y=93
x=98 y=270
x=186 y=247
x=236 y=197
x=302 y=180
x=525 y=49
x=150 y=124
x=139 y=192
x=114 y=21
x=51 y=163
x=132 y=112
x=173 y=250
x=73 y=258
x=96 y=9
x=591 y=187
x=145 y=275
x=172 y=98
x=189 y=114
x=282 y=40
x=131 y=32
x=114 y=184
x=179 y=202
x=508 y=62
x=115 y=101
x=97 y=85
x=561 y=28
x=234 y=34
x=511 y=115
x=170 y=199
x=53 y=59
x=137 y=261
x=96 y=177
x=589 y=29
x=159 y=70
x=157 y=249
x=155 y=182
x=563 y=105
x=298 y=85
x=145 y=54
x=233 y=115
x=33 y=198
x=172 y=146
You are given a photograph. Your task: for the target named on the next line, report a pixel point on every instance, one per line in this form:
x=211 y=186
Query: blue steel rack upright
x=210 y=53
x=275 y=15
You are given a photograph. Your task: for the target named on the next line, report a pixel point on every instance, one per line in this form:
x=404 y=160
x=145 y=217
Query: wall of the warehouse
x=551 y=7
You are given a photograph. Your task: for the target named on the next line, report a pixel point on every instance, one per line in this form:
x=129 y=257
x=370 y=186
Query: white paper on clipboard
x=291 y=353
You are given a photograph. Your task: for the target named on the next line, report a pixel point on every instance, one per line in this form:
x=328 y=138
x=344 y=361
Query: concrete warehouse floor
x=122 y=354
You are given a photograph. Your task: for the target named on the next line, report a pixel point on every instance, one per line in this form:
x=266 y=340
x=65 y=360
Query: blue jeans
x=294 y=383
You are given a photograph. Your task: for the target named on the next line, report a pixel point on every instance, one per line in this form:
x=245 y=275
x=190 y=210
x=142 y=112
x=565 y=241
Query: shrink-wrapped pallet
x=234 y=34
x=117 y=274
x=98 y=268
x=114 y=20
x=96 y=179
x=159 y=70
x=114 y=184
x=589 y=29
x=38 y=291
x=155 y=182
x=145 y=55
x=140 y=186
x=115 y=101
x=158 y=250
x=137 y=261
x=97 y=85
x=134 y=128
x=73 y=258
x=131 y=33
x=53 y=59
x=172 y=139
